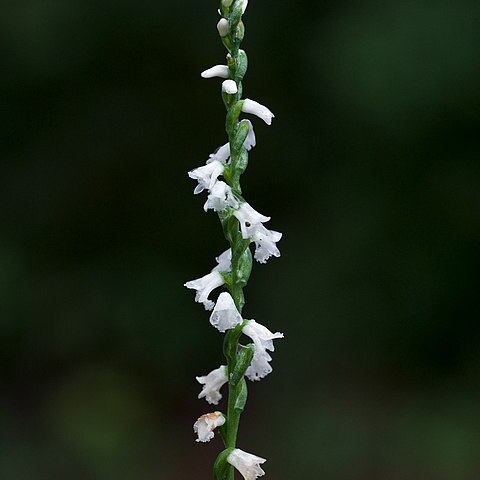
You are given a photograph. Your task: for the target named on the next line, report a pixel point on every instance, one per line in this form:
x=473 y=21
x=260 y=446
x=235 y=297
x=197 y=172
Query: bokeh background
x=371 y=170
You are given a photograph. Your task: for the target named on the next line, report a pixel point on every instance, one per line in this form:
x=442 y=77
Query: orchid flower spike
x=216 y=71
x=246 y=463
x=206 y=175
x=212 y=383
x=206 y=424
x=225 y=315
x=220 y=197
x=263 y=339
x=251 y=106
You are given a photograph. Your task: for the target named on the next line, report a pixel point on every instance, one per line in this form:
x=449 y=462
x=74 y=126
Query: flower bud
x=230 y=87
x=223 y=27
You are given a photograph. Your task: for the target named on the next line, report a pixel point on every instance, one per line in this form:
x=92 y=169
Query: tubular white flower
x=206 y=424
x=246 y=463
x=212 y=383
x=251 y=106
x=204 y=287
x=225 y=315
x=221 y=155
x=230 y=87
x=263 y=339
x=249 y=218
x=223 y=27
x=220 y=71
x=220 y=197
x=206 y=175
x=265 y=242
x=224 y=261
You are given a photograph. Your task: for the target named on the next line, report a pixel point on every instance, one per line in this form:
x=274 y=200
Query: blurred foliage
x=370 y=169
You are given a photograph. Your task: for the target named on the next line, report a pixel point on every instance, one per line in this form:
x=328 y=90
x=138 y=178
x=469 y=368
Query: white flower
x=220 y=197
x=246 y=463
x=223 y=27
x=265 y=242
x=263 y=339
x=250 y=106
x=216 y=71
x=212 y=383
x=224 y=261
x=225 y=314
x=204 y=287
x=221 y=155
x=230 y=87
x=206 y=175
x=249 y=218
x=206 y=424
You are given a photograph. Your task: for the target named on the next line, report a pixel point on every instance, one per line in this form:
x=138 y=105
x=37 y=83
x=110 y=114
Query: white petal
x=206 y=175
x=265 y=241
x=213 y=382
x=204 y=287
x=220 y=197
x=251 y=106
x=206 y=424
x=221 y=155
x=230 y=87
x=246 y=463
x=249 y=218
x=224 y=261
x=225 y=315
x=216 y=71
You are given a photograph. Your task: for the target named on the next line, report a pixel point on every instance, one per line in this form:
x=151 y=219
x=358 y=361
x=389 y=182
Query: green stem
x=237 y=244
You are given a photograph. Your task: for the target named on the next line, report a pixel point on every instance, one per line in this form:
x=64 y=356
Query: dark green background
x=370 y=169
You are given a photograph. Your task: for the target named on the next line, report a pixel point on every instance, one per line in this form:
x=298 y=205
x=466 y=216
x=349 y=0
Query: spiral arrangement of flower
x=242 y=226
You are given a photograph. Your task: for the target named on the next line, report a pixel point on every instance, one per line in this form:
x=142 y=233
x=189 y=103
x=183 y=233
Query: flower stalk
x=242 y=225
